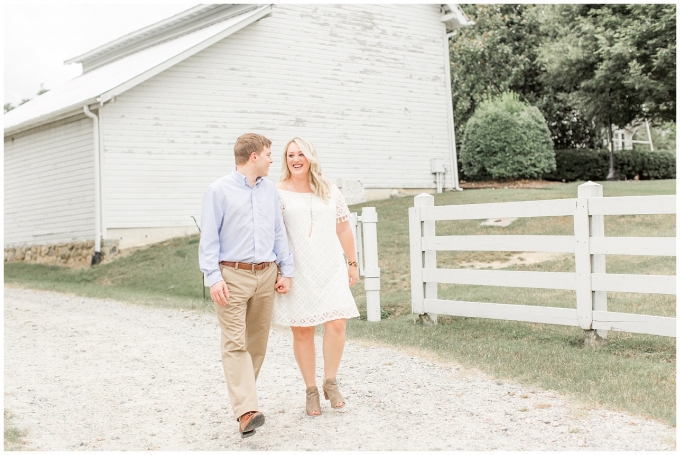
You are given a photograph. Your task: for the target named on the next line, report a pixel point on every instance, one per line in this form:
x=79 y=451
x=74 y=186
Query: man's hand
x=282 y=285
x=219 y=293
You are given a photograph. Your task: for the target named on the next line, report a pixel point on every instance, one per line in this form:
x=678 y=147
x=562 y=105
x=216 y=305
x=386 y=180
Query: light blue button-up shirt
x=241 y=223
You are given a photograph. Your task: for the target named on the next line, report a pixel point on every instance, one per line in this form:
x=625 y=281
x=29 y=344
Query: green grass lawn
x=14 y=437
x=633 y=372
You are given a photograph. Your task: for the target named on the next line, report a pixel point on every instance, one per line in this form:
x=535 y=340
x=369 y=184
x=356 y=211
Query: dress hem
x=288 y=324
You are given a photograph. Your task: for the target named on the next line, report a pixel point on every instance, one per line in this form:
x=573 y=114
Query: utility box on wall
x=438 y=168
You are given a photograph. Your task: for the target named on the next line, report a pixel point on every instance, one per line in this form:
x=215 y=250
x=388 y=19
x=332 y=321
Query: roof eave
x=454 y=17
x=61 y=114
x=137 y=33
x=107 y=95
x=259 y=14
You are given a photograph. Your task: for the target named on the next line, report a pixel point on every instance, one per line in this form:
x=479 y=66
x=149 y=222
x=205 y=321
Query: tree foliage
x=505 y=139
x=9 y=106
x=559 y=57
x=500 y=53
x=612 y=60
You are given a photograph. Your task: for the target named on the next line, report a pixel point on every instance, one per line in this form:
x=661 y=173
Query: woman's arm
x=344 y=232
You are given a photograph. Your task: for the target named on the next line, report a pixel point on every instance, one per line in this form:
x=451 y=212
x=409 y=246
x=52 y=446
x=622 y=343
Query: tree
x=500 y=53
x=9 y=106
x=612 y=60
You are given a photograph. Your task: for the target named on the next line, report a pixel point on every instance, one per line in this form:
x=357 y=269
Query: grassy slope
x=634 y=372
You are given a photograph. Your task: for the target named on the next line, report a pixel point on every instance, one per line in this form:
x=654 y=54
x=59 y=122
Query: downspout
x=449 y=108
x=97 y=256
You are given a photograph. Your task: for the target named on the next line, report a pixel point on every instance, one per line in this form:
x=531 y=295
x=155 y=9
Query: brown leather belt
x=246 y=265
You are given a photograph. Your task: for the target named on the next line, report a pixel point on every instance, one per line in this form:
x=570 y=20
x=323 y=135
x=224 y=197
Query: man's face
x=263 y=161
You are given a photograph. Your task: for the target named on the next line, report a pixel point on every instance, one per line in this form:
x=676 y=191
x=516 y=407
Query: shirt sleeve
x=341 y=209
x=284 y=258
x=209 y=247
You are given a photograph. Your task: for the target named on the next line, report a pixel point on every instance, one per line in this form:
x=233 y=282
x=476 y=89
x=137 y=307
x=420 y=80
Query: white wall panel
x=49 y=184
x=365 y=83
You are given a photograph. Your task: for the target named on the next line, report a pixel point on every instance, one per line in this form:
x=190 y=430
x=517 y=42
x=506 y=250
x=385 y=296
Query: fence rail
x=588 y=244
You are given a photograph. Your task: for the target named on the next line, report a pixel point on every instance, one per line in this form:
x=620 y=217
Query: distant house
x=123 y=153
x=623 y=137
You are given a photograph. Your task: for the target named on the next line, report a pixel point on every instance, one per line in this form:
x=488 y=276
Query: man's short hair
x=248 y=143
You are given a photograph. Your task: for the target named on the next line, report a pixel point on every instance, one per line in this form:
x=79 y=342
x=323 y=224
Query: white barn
x=123 y=153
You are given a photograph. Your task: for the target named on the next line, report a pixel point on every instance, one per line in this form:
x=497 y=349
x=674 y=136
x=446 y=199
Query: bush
x=593 y=164
x=580 y=164
x=505 y=139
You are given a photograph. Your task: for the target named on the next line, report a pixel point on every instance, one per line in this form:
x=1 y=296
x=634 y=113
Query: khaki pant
x=244 y=325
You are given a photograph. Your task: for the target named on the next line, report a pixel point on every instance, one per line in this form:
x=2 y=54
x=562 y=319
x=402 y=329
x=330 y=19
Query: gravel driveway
x=89 y=374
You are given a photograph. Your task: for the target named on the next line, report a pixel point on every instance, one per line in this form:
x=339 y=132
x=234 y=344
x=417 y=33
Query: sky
x=38 y=38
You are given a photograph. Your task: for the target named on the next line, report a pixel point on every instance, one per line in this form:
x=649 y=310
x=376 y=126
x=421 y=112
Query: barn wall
x=49 y=184
x=365 y=83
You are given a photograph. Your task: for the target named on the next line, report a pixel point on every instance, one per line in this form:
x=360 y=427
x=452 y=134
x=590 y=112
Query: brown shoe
x=331 y=392
x=313 y=406
x=249 y=421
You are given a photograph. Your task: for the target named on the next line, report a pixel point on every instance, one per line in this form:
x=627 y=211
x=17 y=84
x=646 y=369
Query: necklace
x=311 y=200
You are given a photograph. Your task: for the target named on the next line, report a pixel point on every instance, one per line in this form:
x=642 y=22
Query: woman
x=317 y=222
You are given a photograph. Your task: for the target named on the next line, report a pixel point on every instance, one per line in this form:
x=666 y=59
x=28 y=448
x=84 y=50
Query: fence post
x=598 y=299
x=420 y=258
x=415 y=242
x=369 y=220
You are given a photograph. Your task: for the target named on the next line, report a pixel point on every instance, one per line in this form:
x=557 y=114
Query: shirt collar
x=240 y=178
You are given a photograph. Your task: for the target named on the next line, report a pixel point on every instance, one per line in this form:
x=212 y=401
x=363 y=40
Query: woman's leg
x=333 y=345
x=303 y=348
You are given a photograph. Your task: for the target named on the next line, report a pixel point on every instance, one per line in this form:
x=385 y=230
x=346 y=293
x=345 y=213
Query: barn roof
x=131 y=60
x=122 y=64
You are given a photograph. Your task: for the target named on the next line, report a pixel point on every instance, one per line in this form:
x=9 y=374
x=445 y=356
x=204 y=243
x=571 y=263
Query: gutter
x=97 y=256
x=453 y=18
x=449 y=110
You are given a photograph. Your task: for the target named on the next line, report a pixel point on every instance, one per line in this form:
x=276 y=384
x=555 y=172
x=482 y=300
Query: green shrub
x=645 y=165
x=580 y=164
x=593 y=164
x=505 y=139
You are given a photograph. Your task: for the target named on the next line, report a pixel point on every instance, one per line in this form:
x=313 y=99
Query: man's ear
x=254 y=156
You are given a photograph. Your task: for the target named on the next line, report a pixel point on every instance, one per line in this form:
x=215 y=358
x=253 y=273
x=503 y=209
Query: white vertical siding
x=49 y=184
x=365 y=83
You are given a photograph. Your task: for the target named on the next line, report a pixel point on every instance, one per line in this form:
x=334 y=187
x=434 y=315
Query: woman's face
x=296 y=161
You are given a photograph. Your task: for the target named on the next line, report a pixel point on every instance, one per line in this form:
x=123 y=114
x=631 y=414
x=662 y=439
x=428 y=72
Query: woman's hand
x=282 y=285
x=353 y=274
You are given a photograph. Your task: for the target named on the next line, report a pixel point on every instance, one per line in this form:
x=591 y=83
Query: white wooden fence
x=365 y=232
x=588 y=244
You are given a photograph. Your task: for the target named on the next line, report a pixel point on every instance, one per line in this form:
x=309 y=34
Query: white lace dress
x=320 y=290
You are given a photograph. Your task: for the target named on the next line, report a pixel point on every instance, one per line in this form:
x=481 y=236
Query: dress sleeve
x=341 y=209
x=282 y=202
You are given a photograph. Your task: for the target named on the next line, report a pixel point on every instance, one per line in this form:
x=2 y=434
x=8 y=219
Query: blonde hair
x=247 y=144
x=320 y=186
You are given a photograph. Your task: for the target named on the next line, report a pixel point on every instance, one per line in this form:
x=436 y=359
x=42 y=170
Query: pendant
x=311 y=226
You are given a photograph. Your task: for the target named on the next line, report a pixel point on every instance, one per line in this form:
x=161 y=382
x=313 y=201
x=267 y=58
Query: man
x=243 y=239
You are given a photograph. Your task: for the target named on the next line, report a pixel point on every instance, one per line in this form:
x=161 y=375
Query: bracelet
x=350 y=263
